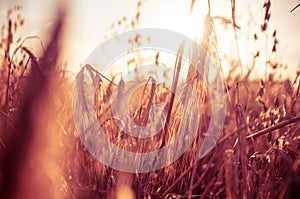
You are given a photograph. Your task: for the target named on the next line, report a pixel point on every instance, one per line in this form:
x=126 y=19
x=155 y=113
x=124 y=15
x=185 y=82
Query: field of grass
x=42 y=156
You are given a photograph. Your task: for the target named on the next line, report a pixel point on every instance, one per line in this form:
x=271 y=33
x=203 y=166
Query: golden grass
x=41 y=155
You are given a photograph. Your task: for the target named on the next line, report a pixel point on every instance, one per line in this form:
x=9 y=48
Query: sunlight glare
x=184 y=22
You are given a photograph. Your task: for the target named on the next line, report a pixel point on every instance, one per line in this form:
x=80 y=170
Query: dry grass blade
x=295 y=7
x=178 y=63
x=192 y=6
x=90 y=68
x=208 y=187
x=262 y=132
x=16 y=154
x=230 y=183
x=173 y=185
x=275 y=127
x=225 y=21
x=235 y=33
x=242 y=146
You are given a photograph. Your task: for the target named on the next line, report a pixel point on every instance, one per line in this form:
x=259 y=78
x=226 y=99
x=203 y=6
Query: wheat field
x=42 y=156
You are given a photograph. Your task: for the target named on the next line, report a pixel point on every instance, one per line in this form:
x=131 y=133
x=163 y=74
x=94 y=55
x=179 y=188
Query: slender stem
x=275 y=127
x=235 y=34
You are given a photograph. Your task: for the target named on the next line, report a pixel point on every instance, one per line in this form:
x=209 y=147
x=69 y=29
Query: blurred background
x=90 y=22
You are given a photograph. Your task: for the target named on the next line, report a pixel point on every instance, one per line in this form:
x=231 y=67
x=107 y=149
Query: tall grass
x=257 y=155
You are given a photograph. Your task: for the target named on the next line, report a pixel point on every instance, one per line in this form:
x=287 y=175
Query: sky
x=89 y=22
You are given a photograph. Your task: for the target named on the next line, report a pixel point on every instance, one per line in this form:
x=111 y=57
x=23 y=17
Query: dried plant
x=41 y=155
